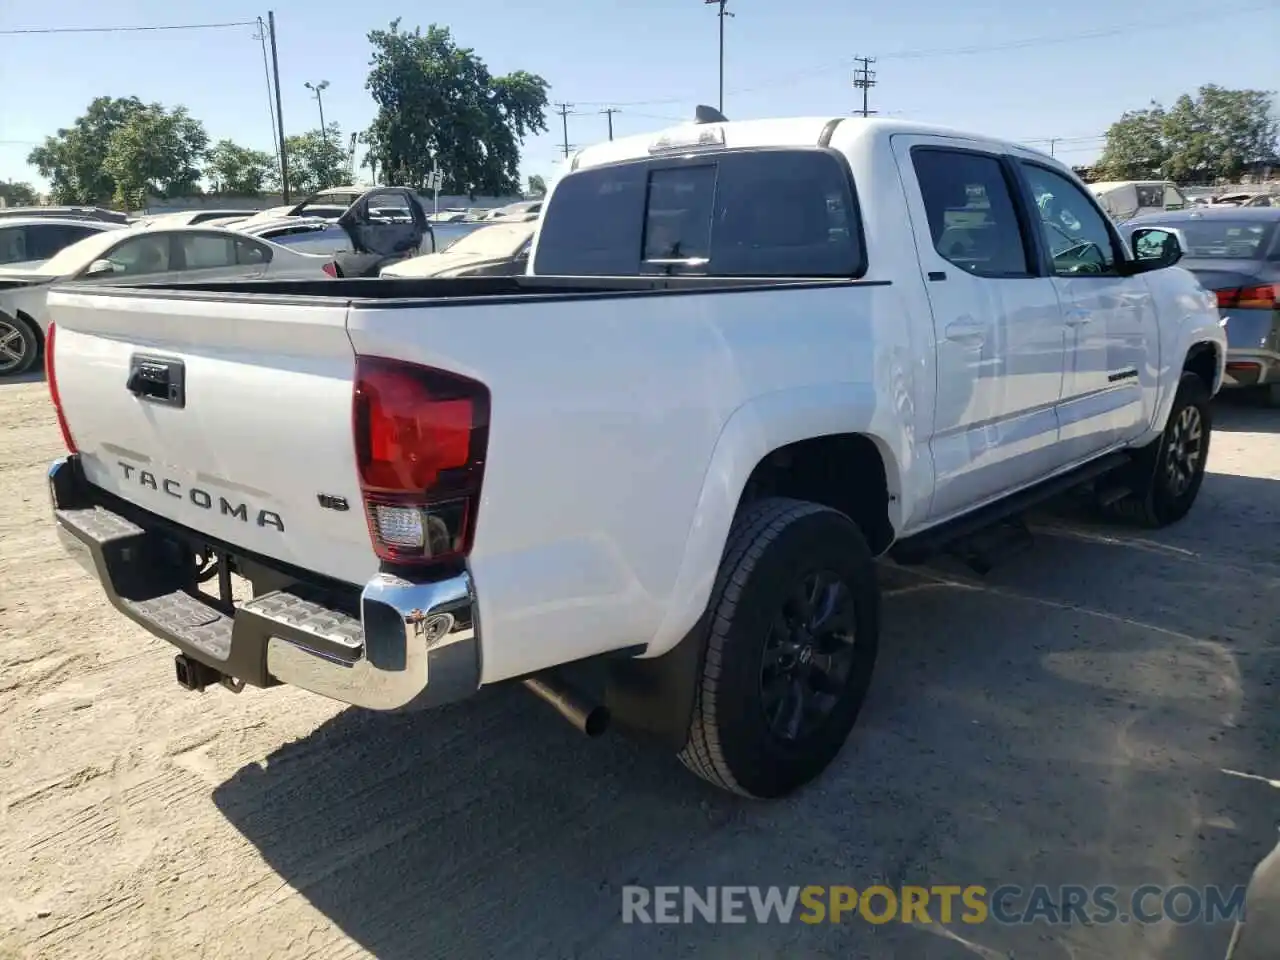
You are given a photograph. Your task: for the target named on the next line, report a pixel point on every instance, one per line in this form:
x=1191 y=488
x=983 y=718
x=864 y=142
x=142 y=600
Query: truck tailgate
x=230 y=417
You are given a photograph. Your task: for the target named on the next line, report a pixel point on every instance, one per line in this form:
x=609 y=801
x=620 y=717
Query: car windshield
x=1219 y=239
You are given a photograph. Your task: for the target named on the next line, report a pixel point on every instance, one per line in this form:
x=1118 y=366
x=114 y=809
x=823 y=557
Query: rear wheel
x=794 y=627
x=19 y=346
x=1167 y=473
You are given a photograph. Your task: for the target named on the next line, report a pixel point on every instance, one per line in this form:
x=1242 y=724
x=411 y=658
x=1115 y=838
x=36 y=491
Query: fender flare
x=753 y=431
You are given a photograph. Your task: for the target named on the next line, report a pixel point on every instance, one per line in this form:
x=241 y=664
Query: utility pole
x=564 y=109
x=721 y=13
x=275 y=67
x=864 y=79
x=318 y=89
x=1053 y=141
x=608 y=112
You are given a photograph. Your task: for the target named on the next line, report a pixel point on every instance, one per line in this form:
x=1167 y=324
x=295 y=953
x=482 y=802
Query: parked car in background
x=25 y=242
x=188 y=253
x=501 y=249
x=191 y=218
x=68 y=213
x=1243 y=200
x=1235 y=252
x=305 y=234
x=1125 y=199
x=382 y=225
x=516 y=212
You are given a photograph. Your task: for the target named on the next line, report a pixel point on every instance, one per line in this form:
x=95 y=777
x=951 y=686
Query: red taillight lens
x=331 y=269
x=1265 y=297
x=51 y=375
x=420 y=437
x=1258 y=297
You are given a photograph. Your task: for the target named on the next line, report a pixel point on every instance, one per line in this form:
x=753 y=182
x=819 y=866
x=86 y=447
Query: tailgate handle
x=158 y=380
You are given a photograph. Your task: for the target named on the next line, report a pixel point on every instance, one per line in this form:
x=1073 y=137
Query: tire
x=775 y=547
x=1167 y=479
x=19 y=346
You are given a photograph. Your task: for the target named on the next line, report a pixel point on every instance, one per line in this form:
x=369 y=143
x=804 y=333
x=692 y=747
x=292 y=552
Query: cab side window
x=1074 y=230
x=972 y=219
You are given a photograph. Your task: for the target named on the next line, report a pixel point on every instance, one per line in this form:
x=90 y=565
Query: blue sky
x=983 y=64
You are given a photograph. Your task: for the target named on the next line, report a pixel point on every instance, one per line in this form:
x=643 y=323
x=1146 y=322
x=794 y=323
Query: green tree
x=72 y=160
x=155 y=152
x=537 y=186
x=1213 y=135
x=316 y=160
x=1135 y=147
x=240 y=171
x=438 y=103
x=15 y=193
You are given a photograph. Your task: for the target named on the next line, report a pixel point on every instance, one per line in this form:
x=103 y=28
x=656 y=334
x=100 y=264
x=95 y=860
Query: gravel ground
x=1102 y=710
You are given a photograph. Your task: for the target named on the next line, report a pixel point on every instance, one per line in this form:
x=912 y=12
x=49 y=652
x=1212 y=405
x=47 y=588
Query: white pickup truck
x=749 y=358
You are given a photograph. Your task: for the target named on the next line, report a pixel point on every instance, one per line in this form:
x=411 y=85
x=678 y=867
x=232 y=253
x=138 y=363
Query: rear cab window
x=731 y=213
x=972 y=218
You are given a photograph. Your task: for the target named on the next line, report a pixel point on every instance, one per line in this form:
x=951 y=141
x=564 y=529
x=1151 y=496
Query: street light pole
x=721 y=13
x=318 y=89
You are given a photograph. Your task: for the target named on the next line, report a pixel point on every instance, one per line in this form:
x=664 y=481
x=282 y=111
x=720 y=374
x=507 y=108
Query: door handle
x=1077 y=318
x=966 y=331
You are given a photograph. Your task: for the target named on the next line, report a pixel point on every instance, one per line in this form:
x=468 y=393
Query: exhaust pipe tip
x=596 y=722
x=587 y=716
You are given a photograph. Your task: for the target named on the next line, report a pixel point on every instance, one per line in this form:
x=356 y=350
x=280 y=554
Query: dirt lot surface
x=1102 y=710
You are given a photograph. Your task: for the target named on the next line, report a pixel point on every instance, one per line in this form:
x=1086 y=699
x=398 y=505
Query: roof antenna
x=705 y=114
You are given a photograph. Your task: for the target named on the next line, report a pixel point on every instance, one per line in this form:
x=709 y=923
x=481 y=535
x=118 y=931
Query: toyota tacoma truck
x=748 y=358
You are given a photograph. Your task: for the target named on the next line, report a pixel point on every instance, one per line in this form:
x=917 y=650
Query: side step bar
x=936 y=540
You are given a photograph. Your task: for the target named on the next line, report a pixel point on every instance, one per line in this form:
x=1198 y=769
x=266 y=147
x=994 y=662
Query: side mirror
x=99 y=268
x=1155 y=248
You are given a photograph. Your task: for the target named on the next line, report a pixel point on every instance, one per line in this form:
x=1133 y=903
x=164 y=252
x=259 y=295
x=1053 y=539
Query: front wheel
x=19 y=346
x=1169 y=471
x=794 y=626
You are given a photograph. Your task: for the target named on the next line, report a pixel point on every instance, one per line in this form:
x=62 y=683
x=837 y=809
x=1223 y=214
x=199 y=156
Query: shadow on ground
x=1066 y=720
x=31 y=376
x=1241 y=413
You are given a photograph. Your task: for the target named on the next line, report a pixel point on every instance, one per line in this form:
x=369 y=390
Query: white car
x=193 y=253
x=500 y=249
x=26 y=242
x=748 y=359
x=191 y=218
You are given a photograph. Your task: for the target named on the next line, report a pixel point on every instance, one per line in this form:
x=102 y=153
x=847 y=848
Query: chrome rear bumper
x=415 y=644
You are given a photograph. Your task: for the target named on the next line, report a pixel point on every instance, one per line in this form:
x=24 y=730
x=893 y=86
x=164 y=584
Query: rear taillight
x=420 y=437
x=331 y=269
x=51 y=375
x=1265 y=297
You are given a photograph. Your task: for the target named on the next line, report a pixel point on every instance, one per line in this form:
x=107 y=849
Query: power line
x=133 y=29
x=1146 y=27
x=261 y=35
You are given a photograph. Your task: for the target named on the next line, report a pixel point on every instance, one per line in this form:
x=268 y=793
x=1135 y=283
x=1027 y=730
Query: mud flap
x=654 y=698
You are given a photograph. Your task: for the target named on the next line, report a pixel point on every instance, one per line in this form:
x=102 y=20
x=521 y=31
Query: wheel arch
x=813 y=418
x=1206 y=360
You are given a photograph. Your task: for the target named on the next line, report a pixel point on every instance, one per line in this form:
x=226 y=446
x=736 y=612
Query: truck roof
x=778 y=132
